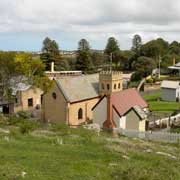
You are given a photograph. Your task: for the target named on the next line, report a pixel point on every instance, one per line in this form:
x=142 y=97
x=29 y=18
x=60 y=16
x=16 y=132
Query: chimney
x=174 y=61
x=109 y=123
x=52 y=66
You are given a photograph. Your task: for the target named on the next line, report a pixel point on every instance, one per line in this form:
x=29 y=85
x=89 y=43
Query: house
x=123 y=109
x=71 y=99
x=170 y=91
x=25 y=98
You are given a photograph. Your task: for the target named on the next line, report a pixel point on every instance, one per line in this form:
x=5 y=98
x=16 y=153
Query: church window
x=114 y=86
x=80 y=113
x=108 y=87
x=119 y=85
x=54 y=95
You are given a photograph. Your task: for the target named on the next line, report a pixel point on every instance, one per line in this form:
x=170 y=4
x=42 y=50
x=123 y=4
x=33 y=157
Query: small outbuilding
x=170 y=91
x=126 y=109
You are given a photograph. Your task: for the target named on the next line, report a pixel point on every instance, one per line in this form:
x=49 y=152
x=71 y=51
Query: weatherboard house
x=98 y=97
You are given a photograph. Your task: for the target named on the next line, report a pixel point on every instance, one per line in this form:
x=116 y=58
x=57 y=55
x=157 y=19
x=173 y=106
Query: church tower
x=109 y=82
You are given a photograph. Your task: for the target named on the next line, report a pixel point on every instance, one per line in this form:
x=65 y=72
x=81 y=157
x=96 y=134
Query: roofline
x=116 y=111
x=98 y=102
x=62 y=91
x=84 y=100
x=132 y=108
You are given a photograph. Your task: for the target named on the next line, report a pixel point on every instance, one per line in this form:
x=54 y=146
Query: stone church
x=71 y=99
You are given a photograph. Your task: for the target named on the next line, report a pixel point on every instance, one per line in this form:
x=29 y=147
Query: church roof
x=79 y=88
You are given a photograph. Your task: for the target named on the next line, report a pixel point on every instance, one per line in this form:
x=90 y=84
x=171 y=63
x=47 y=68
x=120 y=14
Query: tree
x=63 y=65
x=21 y=68
x=112 y=46
x=154 y=49
x=83 y=45
x=50 y=52
x=136 y=43
x=84 y=61
x=98 y=59
x=144 y=66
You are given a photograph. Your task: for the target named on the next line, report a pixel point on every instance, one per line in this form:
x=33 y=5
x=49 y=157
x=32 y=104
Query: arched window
x=108 y=87
x=119 y=85
x=102 y=86
x=80 y=113
x=114 y=86
x=54 y=95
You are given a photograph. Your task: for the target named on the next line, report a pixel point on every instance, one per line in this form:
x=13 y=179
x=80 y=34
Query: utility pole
x=159 y=74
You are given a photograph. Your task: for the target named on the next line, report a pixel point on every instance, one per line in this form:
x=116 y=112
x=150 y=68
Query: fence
x=149 y=135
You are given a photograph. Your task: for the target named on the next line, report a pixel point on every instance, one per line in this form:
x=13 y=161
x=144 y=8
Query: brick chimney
x=109 y=123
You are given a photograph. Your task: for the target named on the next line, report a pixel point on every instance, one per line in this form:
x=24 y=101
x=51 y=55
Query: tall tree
x=136 y=43
x=83 y=45
x=84 y=61
x=112 y=46
x=50 y=52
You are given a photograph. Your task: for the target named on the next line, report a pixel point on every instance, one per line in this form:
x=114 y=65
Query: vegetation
x=18 y=68
x=158 y=106
x=50 y=53
x=58 y=152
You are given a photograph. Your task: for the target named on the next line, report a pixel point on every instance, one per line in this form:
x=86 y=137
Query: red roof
x=126 y=99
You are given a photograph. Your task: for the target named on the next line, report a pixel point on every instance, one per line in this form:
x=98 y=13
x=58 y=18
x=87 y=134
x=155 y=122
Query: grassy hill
x=55 y=152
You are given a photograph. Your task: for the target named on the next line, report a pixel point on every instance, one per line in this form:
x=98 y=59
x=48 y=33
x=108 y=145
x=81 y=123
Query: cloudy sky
x=25 y=23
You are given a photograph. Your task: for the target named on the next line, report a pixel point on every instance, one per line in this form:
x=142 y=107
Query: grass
x=158 y=106
x=57 y=152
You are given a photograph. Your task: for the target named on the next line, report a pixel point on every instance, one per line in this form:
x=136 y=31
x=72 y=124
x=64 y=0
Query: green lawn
x=158 y=106
x=55 y=153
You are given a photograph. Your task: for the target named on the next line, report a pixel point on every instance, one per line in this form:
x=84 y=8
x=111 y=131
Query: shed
x=170 y=91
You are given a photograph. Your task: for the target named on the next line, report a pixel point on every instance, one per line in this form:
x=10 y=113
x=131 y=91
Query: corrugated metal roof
x=127 y=99
x=20 y=87
x=170 y=84
x=79 y=88
x=140 y=112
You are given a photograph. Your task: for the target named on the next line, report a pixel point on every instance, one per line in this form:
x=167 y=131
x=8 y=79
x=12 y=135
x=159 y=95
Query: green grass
x=58 y=152
x=157 y=106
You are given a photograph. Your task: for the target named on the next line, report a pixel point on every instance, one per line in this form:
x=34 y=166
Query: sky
x=25 y=23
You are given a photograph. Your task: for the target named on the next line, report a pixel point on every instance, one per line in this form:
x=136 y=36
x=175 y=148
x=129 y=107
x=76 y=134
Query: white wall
x=100 y=112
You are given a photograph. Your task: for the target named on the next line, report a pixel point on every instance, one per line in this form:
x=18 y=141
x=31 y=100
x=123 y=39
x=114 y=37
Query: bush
x=24 y=114
x=136 y=76
x=149 y=81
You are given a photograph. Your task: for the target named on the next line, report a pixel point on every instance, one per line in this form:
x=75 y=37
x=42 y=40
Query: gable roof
x=170 y=84
x=125 y=100
x=79 y=88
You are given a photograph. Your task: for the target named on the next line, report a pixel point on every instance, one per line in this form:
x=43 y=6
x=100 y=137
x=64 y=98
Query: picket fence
x=150 y=135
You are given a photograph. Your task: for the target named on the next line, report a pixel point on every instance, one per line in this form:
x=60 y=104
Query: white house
x=170 y=91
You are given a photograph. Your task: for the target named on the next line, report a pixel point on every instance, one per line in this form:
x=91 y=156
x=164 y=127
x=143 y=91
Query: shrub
x=24 y=114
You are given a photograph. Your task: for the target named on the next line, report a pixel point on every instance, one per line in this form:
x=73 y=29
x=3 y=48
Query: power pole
x=159 y=74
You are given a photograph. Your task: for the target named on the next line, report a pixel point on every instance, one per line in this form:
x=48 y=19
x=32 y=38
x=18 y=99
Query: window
x=114 y=86
x=102 y=86
x=108 y=87
x=30 y=102
x=16 y=101
x=54 y=95
x=80 y=113
x=119 y=85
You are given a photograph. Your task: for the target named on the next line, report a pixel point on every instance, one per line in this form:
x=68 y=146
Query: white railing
x=150 y=135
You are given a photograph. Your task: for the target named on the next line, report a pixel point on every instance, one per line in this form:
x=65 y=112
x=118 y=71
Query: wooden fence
x=150 y=135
